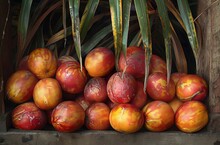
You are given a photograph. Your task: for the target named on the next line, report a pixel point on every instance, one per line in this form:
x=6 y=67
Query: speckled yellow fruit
x=126 y=118
x=192 y=116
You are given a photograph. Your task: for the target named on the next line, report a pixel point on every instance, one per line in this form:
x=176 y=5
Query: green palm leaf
x=23 y=26
x=87 y=17
x=188 y=21
x=144 y=22
x=165 y=22
x=74 y=13
x=126 y=6
x=116 y=17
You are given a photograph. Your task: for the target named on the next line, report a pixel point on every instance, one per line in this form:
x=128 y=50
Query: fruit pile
x=67 y=96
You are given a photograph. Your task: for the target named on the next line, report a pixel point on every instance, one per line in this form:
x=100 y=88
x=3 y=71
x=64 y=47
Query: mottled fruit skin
x=47 y=93
x=96 y=90
x=42 y=62
x=157 y=64
x=159 y=116
x=99 y=62
x=81 y=100
x=71 y=78
x=65 y=58
x=175 y=104
x=191 y=117
x=191 y=87
x=158 y=89
x=176 y=76
x=20 y=86
x=140 y=99
x=97 y=117
x=126 y=118
x=134 y=63
x=121 y=88
x=28 y=116
x=68 y=116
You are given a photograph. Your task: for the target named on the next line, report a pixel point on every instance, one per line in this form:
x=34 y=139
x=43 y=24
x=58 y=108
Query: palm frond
x=144 y=22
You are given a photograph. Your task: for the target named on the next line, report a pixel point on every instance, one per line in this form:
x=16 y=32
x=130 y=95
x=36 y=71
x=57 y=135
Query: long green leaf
x=74 y=13
x=96 y=38
x=116 y=17
x=23 y=26
x=164 y=18
x=87 y=17
x=144 y=22
x=187 y=17
x=126 y=6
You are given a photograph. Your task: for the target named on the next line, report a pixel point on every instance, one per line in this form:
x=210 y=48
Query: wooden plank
x=209 y=58
x=107 y=138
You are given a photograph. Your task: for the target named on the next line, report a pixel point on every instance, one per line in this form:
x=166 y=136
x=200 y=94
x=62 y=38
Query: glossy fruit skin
x=42 y=62
x=121 y=88
x=191 y=117
x=134 y=63
x=99 y=62
x=157 y=87
x=96 y=90
x=47 y=93
x=81 y=100
x=175 y=104
x=126 y=118
x=65 y=58
x=159 y=116
x=191 y=87
x=68 y=116
x=97 y=117
x=140 y=99
x=176 y=76
x=28 y=116
x=20 y=86
x=157 y=64
x=71 y=78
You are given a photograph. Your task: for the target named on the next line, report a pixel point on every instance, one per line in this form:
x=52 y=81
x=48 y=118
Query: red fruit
x=176 y=76
x=68 y=116
x=99 y=62
x=20 y=86
x=158 y=89
x=159 y=116
x=175 y=104
x=192 y=116
x=83 y=102
x=126 y=118
x=47 y=93
x=71 y=78
x=28 y=116
x=96 y=90
x=121 y=88
x=65 y=58
x=157 y=64
x=97 y=117
x=23 y=64
x=42 y=62
x=191 y=87
x=140 y=98
x=134 y=63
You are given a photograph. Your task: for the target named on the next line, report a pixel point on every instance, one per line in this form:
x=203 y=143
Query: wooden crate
x=209 y=68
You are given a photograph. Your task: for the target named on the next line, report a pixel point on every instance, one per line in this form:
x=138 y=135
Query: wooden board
x=107 y=138
x=209 y=58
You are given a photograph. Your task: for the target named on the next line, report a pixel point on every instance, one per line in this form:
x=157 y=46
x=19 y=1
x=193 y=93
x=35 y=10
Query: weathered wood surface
x=14 y=137
x=209 y=59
